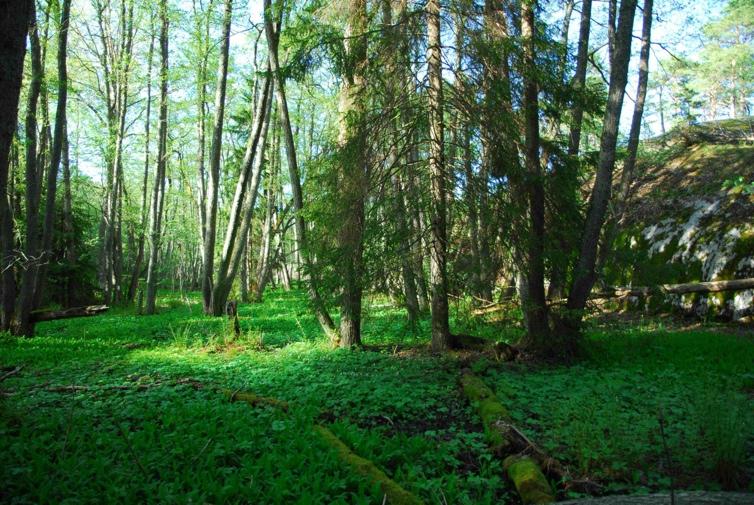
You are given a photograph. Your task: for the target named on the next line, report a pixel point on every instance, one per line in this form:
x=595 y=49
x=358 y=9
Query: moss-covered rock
x=685 y=224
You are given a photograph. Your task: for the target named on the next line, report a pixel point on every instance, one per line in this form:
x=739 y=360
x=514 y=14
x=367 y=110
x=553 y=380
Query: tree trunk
x=584 y=275
x=407 y=272
x=158 y=191
x=22 y=323
x=353 y=178
x=320 y=310
x=57 y=149
x=244 y=200
x=629 y=164
x=265 y=251
x=14 y=23
x=579 y=78
x=213 y=189
x=133 y=285
x=536 y=304
x=441 y=337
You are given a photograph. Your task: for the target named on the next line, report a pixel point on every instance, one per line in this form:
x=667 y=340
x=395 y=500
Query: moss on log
x=529 y=480
x=494 y=415
x=255 y=400
x=394 y=493
x=502 y=437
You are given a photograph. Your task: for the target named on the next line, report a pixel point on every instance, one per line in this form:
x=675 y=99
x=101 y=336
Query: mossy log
x=647 y=292
x=501 y=350
x=392 y=491
x=255 y=400
x=38 y=316
x=494 y=415
x=529 y=480
x=678 y=289
x=504 y=439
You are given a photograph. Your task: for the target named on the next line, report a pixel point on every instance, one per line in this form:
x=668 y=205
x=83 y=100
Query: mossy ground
x=150 y=423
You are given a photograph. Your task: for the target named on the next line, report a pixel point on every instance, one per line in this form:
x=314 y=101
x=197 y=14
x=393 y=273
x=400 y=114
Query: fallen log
x=256 y=400
x=679 y=289
x=11 y=373
x=662 y=289
x=38 y=316
x=392 y=491
x=504 y=440
x=681 y=498
x=530 y=483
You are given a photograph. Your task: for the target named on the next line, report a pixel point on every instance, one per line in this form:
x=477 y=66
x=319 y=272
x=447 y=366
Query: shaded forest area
x=376 y=252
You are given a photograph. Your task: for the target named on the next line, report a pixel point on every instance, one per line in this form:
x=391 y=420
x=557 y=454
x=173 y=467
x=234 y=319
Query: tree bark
x=22 y=324
x=14 y=24
x=213 y=189
x=244 y=200
x=57 y=149
x=441 y=337
x=316 y=300
x=158 y=191
x=579 y=78
x=584 y=275
x=136 y=273
x=536 y=304
x=629 y=164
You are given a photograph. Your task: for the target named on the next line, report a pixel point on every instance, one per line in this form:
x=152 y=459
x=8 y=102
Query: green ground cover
x=145 y=420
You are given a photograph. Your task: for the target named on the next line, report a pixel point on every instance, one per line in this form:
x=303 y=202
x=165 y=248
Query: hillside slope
x=684 y=223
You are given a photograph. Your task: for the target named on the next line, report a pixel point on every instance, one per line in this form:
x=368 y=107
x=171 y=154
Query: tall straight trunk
x=14 y=23
x=244 y=200
x=133 y=285
x=22 y=323
x=441 y=337
x=629 y=164
x=116 y=64
x=318 y=304
x=352 y=173
x=213 y=189
x=158 y=192
x=584 y=274
x=57 y=148
x=579 y=78
x=471 y=190
x=536 y=304
x=392 y=39
x=69 y=244
x=265 y=251
x=415 y=225
x=499 y=136
x=201 y=125
x=407 y=271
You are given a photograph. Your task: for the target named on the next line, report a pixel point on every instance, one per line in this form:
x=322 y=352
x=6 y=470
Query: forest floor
x=125 y=408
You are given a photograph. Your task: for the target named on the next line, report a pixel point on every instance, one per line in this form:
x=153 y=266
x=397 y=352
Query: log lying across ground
x=391 y=490
x=50 y=315
x=643 y=291
x=393 y=493
x=524 y=470
x=255 y=400
x=678 y=289
x=681 y=498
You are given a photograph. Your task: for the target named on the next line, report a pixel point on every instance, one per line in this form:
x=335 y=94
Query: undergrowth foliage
x=121 y=408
